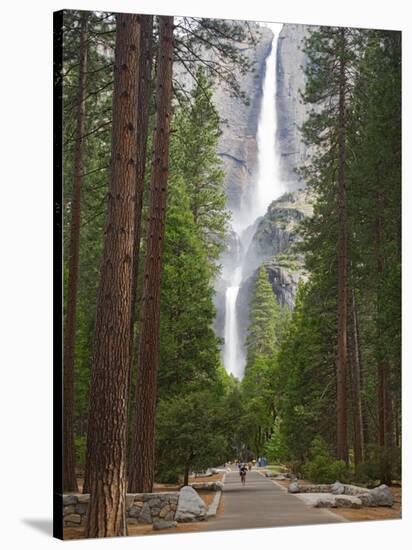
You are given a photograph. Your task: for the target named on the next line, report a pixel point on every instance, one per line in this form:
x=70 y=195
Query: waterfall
x=267 y=188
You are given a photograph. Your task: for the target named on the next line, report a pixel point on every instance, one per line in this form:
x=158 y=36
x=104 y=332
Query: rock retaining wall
x=140 y=508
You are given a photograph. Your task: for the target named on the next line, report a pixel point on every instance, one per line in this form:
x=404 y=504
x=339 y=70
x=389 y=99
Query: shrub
x=322 y=467
x=381 y=465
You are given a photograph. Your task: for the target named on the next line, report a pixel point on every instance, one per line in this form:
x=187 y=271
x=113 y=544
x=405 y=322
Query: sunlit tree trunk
x=109 y=385
x=143 y=435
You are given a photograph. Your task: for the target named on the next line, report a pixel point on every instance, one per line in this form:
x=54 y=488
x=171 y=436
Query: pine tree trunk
x=109 y=385
x=145 y=75
x=356 y=389
x=342 y=359
x=69 y=462
x=142 y=461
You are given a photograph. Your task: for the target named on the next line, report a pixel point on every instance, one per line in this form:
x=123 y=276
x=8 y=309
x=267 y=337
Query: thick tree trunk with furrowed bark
x=145 y=76
x=342 y=359
x=109 y=385
x=69 y=463
x=142 y=460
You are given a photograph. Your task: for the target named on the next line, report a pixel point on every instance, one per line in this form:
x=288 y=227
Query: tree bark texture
x=342 y=359
x=142 y=459
x=145 y=77
x=69 y=462
x=109 y=385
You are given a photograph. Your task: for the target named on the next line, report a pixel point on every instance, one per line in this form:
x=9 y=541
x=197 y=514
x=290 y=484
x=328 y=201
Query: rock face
x=190 y=507
x=237 y=145
x=291 y=111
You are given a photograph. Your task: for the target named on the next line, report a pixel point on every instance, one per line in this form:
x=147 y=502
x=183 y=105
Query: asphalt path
x=263 y=503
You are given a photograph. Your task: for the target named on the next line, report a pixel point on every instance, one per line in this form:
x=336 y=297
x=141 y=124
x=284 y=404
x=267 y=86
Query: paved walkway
x=262 y=503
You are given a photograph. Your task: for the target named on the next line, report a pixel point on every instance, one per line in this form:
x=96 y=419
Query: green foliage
x=188 y=350
x=306 y=374
x=267 y=320
x=378 y=460
x=189 y=435
x=321 y=466
x=194 y=157
x=275 y=449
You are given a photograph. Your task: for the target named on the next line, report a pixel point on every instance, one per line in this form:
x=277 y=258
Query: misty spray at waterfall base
x=266 y=188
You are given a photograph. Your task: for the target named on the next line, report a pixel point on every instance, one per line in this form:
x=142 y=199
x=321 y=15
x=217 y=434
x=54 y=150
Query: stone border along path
x=264 y=503
x=214 y=505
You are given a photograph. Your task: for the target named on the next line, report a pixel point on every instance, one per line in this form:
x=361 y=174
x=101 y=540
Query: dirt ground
x=366 y=514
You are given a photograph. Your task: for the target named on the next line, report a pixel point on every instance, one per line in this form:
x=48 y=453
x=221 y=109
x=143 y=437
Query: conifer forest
x=231 y=223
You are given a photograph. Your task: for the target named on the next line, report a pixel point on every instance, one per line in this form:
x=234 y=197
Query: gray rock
x=354 y=490
x=170 y=516
x=190 y=506
x=325 y=502
x=145 y=514
x=366 y=499
x=68 y=510
x=132 y=521
x=381 y=496
x=134 y=511
x=83 y=498
x=291 y=111
x=163 y=524
x=73 y=518
x=337 y=488
x=69 y=499
x=207 y=485
x=164 y=511
x=154 y=502
x=81 y=508
x=294 y=487
x=129 y=501
x=345 y=501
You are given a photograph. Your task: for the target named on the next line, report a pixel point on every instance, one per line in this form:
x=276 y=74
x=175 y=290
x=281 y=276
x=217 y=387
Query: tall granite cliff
x=291 y=62
x=273 y=236
x=274 y=246
x=238 y=144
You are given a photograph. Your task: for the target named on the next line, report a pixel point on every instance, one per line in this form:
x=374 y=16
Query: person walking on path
x=242 y=472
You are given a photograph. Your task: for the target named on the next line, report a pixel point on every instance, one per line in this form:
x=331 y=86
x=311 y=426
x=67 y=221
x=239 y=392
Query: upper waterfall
x=268 y=185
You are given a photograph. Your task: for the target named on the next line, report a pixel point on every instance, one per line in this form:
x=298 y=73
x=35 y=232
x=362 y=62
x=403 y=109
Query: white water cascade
x=267 y=188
